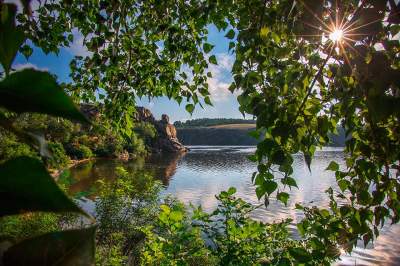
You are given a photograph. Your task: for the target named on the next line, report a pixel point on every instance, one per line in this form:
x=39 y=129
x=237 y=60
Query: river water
x=195 y=177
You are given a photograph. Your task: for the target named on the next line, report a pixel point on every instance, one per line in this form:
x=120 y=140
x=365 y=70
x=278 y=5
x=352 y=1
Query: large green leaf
x=26 y=186
x=11 y=37
x=71 y=247
x=31 y=90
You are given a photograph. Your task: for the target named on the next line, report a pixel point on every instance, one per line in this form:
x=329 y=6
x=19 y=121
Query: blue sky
x=225 y=103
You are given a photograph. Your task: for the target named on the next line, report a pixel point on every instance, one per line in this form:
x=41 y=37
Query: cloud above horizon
x=221 y=78
x=77 y=48
x=20 y=66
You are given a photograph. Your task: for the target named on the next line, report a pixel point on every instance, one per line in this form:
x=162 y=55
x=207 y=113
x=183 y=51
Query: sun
x=336 y=35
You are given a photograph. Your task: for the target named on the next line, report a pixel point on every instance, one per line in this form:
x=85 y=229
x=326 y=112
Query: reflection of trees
x=163 y=166
x=82 y=178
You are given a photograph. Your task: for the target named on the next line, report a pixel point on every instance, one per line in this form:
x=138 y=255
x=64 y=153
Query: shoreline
x=55 y=173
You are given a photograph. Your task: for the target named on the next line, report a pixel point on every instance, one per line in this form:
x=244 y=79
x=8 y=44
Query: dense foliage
x=300 y=84
x=206 y=122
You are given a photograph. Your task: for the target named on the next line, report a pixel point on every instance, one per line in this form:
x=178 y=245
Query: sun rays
x=336 y=35
x=337 y=28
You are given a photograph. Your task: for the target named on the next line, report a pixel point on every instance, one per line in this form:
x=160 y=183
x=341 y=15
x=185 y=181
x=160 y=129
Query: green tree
x=293 y=73
x=300 y=81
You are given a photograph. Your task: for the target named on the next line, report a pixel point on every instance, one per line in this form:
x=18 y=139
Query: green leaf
x=176 y=216
x=213 y=60
x=165 y=208
x=270 y=186
x=283 y=197
x=260 y=192
x=189 y=107
x=300 y=227
x=230 y=34
x=207 y=47
x=343 y=184
x=264 y=32
x=208 y=101
x=333 y=166
x=71 y=247
x=26 y=50
x=324 y=212
x=300 y=254
x=231 y=45
x=30 y=90
x=289 y=181
x=11 y=37
x=231 y=191
x=26 y=186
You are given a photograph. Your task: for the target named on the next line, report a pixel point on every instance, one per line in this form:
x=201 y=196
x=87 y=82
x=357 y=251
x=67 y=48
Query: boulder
x=144 y=115
x=167 y=140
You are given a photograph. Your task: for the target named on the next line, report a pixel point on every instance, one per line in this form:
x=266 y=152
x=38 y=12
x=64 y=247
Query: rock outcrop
x=167 y=140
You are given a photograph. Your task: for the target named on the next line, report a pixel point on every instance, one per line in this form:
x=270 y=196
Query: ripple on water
x=202 y=173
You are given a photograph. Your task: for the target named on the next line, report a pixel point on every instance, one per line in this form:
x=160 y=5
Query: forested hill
x=232 y=134
x=207 y=122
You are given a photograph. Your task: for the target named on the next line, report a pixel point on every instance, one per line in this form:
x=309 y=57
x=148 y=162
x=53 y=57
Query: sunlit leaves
x=213 y=60
x=333 y=166
x=283 y=197
x=189 y=108
x=300 y=102
x=207 y=47
x=207 y=100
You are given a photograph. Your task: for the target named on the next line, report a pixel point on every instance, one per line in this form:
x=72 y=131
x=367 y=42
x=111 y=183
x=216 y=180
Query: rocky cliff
x=167 y=140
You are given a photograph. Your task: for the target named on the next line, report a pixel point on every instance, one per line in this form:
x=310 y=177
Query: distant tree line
x=206 y=122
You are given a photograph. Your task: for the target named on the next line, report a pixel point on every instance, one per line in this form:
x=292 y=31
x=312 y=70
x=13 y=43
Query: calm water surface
x=206 y=170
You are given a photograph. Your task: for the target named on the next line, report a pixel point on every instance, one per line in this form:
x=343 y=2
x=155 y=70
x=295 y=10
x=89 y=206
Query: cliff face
x=167 y=140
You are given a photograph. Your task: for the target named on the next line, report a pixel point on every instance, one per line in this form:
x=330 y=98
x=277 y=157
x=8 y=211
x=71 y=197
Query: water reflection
x=203 y=172
x=82 y=178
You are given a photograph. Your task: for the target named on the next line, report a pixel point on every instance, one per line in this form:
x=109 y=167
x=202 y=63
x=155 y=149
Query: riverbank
x=55 y=173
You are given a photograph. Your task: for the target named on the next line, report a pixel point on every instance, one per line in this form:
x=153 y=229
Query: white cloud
x=221 y=78
x=77 y=47
x=29 y=65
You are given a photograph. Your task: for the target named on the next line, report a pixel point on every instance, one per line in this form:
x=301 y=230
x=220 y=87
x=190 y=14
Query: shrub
x=147 y=131
x=78 y=151
x=174 y=241
x=108 y=146
x=14 y=228
x=59 y=158
x=136 y=145
x=122 y=207
x=10 y=148
x=234 y=238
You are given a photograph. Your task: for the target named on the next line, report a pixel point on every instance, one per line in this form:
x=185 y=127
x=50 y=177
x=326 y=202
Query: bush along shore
x=69 y=143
